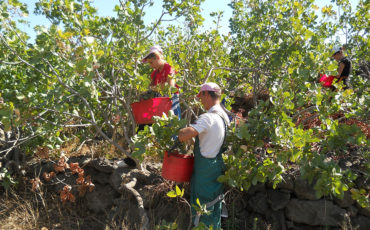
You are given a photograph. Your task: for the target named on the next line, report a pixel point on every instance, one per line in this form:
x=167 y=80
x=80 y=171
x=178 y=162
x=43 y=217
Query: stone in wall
x=303 y=190
x=287 y=183
x=361 y=223
x=315 y=213
x=284 y=208
x=101 y=198
x=352 y=211
x=258 y=203
x=346 y=202
x=116 y=177
x=258 y=188
x=276 y=219
x=102 y=165
x=363 y=211
x=278 y=199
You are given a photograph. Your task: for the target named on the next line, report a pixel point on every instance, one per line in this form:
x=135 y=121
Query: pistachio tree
x=82 y=72
x=285 y=45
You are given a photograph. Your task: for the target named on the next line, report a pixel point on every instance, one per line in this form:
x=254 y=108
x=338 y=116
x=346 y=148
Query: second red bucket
x=326 y=81
x=143 y=111
x=177 y=167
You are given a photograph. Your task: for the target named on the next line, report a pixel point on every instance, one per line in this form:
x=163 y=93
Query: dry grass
x=100 y=148
x=27 y=210
x=18 y=213
x=21 y=208
x=22 y=214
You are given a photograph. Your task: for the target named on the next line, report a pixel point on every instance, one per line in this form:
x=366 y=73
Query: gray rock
x=361 y=223
x=287 y=183
x=142 y=177
x=258 y=203
x=315 y=213
x=308 y=227
x=304 y=227
x=363 y=211
x=363 y=181
x=303 y=190
x=289 y=224
x=101 y=198
x=121 y=164
x=101 y=178
x=352 y=211
x=102 y=165
x=256 y=188
x=116 y=177
x=277 y=199
x=153 y=166
x=276 y=220
x=81 y=160
x=346 y=202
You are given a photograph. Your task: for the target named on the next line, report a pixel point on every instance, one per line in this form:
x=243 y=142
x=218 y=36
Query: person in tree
x=161 y=74
x=344 y=67
x=209 y=131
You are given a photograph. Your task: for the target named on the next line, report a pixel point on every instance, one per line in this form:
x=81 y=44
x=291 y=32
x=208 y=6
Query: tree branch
x=154 y=27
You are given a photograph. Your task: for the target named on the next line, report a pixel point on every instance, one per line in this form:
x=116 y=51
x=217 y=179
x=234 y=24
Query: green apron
x=206 y=188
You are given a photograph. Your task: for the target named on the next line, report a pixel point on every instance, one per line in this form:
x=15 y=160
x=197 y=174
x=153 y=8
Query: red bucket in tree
x=144 y=110
x=177 y=167
x=326 y=81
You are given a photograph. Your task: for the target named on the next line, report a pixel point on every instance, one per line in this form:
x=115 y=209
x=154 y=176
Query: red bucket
x=144 y=110
x=326 y=81
x=177 y=167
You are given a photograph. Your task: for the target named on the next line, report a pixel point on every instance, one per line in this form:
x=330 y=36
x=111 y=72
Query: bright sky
x=105 y=8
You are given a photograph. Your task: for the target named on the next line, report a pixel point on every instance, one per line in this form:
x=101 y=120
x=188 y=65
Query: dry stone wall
x=292 y=205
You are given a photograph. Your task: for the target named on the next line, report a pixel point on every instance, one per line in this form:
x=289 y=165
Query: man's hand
x=187 y=133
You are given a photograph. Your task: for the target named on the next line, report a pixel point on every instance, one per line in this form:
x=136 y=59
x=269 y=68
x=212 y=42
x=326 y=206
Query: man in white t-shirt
x=210 y=131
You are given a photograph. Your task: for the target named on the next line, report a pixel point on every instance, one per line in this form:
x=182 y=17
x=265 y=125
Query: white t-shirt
x=211 y=129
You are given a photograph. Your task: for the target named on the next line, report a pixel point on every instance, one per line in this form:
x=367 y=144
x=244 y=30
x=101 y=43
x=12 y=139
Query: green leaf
x=171 y=193
x=198 y=202
x=178 y=191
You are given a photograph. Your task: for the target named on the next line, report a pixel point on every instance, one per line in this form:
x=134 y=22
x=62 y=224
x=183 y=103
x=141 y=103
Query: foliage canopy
x=84 y=70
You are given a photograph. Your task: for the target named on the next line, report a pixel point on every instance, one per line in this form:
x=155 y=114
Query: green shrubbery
x=84 y=75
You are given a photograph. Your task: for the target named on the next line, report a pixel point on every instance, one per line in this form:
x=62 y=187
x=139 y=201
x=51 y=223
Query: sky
x=105 y=8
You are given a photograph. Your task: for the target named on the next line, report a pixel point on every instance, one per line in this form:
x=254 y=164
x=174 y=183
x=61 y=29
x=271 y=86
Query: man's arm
x=340 y=70
x=187 y=133
x=171 y=81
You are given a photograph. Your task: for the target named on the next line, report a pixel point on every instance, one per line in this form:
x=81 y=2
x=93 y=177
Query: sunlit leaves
x=328 y=10
x=362 y=196
x=7 y=180
x=85 y=62
x=176 y=193
x=158 y=138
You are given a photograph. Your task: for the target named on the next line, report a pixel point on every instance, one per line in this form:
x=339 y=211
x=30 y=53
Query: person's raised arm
x=340 y=70
x=171 y=81
x=187 y=133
